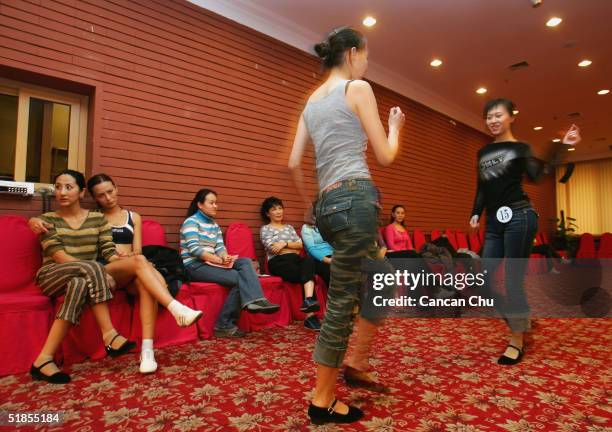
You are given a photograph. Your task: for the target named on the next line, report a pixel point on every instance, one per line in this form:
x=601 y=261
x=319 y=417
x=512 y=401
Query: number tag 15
x=504 y=214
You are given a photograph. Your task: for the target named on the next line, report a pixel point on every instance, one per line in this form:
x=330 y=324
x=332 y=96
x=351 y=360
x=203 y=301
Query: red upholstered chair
x=586 y=247
x=462 y=241
x=239 y=240
x=419 y=239
x=153 y=233
x=481 y=234
x=435 y=233
x=167 y=332
x=605 y=246
x=475 y=244
x=25 y=313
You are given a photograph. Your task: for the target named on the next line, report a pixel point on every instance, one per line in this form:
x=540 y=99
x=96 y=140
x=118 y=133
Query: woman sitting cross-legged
x=74 y=239
x=206 y=260
x=283 y=247
x=126 y=229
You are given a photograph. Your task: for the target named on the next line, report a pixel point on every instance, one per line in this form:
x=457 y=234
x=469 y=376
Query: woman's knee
x=77 y=287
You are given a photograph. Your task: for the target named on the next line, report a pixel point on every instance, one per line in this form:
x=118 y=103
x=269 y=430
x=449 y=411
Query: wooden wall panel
x=184 y=98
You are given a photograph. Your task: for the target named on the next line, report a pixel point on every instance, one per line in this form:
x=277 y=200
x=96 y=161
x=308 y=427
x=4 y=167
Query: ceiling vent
x=519 y=65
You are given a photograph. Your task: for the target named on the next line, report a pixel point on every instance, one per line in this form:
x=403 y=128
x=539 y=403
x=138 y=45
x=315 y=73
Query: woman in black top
x=511 y=220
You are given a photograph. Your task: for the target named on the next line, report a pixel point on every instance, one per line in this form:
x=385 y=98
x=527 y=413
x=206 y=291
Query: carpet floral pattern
x=442 y=374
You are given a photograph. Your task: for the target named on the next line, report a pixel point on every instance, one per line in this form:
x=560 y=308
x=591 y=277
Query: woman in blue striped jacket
x=206 y=260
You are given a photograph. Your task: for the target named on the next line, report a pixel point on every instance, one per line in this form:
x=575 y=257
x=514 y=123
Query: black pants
x=323 y=270
x=293 y=268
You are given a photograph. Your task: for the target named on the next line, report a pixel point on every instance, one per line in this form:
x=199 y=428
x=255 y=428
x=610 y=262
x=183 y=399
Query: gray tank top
x=339 y=140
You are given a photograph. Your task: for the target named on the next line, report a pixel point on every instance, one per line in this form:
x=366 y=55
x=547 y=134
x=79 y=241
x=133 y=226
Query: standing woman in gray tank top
x=340 y=118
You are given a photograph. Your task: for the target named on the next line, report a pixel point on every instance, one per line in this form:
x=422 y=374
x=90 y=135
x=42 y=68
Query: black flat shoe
x=262 y=306
x=321 y=416
x=56 y=378
x=123 y=349
x=310 y=305
x=505 y=360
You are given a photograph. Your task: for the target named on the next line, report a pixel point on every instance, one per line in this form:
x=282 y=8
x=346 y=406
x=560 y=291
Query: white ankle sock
x=147 y=344
x=175 y=308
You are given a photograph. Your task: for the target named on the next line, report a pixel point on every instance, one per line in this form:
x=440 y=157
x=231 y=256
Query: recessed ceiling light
x=538 y=128
x=557 y=140
x=436 y=62
x=571 y=149
x=585 y=63
x=603 y=92
x=515 y=112
x=369 y=21
x=481 y=90
x=554 y=22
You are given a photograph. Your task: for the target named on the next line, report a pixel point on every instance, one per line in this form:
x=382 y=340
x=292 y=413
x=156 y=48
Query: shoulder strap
x=346 y=86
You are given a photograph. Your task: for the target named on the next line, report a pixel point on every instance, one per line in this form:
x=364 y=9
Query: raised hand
x=572 y=136
x=396 y=118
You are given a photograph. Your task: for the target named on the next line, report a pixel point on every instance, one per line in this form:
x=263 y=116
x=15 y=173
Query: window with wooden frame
x=42 y=132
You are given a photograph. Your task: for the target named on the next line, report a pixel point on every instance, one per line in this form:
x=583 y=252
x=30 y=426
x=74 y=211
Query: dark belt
x=342 y=183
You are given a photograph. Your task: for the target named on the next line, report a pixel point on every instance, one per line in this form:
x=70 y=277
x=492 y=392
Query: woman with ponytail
x=207 y=260
x=340 y=118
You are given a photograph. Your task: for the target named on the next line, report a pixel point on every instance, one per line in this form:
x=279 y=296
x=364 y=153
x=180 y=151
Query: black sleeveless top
x=124 y=234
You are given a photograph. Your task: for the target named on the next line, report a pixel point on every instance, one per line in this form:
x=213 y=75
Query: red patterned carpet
x=442 y=373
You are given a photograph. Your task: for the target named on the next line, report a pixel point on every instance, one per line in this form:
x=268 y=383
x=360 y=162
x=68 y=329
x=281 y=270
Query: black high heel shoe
x=123 y=349
x=321 y=416
x=56 y=378
x=505 y=360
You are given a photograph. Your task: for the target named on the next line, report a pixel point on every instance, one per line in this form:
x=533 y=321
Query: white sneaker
x=147 y=362
x=188 y=316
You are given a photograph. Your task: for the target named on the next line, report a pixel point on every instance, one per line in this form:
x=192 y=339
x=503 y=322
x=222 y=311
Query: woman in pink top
x=396 y=235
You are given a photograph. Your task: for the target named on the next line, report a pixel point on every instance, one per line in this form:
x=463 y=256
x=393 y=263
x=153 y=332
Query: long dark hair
x=96 y=179
x=331 y=51
x=78 y=177
x=395 y=207
x=199 y=198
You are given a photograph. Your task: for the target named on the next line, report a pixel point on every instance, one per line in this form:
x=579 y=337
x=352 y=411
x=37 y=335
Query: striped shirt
x=270 y=235
x=199 y=234
x=91 y=240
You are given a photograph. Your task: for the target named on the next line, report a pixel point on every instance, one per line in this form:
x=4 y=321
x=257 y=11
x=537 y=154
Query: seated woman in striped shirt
x=283 y=248
x=207 y=260
x=75 y=237
x=133 y=268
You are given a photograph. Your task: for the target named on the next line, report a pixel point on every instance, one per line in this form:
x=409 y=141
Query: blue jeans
x=347 y=220
x=511 y=240
x=243 y=283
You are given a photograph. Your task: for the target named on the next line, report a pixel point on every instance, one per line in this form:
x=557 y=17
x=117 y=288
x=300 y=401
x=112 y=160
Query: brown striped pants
x=80 y=282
